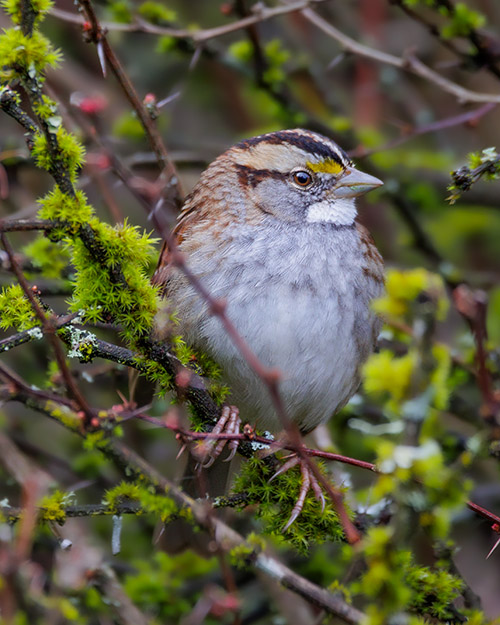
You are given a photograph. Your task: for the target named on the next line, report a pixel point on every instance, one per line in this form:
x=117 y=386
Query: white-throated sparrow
x=270 y=227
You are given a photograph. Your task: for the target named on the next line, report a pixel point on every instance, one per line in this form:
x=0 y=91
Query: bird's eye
x=302 y=178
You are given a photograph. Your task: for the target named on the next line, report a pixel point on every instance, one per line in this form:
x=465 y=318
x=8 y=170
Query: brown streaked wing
x=160 y=275
x=374 y=263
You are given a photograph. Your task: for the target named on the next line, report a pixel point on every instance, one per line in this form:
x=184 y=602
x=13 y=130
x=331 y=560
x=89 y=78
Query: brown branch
x=472 y=305
x=260 y=14
x=26 y=336
x=408 y=62
x=49 y=325
x=325 y=455
x=168 y=170
x=270 y=377
x=8 y=105
x=15 y=385
x=134 y=466
x=106 y=582
x=482 y=57
x=471 y=117
x=24 y=225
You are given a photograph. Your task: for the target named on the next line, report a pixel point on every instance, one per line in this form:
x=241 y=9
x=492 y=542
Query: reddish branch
x=481 y=54
x=134 y=466
x=471 y=117
x=408 y=62
x=49 y=326
x=472 y=305
x=97 y=35
x=325 y=455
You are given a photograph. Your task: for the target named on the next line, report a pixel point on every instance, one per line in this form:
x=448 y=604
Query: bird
x=271 y=229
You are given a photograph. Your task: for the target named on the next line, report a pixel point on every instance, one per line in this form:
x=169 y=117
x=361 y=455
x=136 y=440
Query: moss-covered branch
x=133 y=466
x=481 y=164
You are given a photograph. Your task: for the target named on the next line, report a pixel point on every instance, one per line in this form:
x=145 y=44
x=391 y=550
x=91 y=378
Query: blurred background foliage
x=425 y=415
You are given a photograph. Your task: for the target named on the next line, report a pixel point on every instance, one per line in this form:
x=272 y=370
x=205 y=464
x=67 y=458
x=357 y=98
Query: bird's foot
x=228 y=423
x=309 y=482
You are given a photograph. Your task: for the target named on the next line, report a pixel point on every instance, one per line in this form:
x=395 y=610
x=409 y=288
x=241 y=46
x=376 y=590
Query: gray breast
x=300 y=299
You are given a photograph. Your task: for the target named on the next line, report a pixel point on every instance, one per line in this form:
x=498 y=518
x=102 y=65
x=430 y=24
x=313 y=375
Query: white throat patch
x=341 y=211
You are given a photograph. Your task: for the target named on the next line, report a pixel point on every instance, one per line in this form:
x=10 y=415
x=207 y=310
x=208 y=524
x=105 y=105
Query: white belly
x=306 y=314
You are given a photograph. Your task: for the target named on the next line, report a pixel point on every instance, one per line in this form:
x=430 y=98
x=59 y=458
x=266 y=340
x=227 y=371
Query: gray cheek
x=281 y=200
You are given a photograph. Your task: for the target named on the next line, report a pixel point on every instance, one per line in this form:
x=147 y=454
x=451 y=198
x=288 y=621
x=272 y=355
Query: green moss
x=183 y=352
x=70 y=152
x=276 y=500
x=53 y=506
x=21 y=54
x=242 y=556
x=73 y=212
x=133 y=302
x=433 y=592
x=156 y=13
x=122 y=492
x=51 y=260
x=162 y=506
x=39 y=7
x=47 y=110
x=156 y=584
x=156 y=373
x=396 y=583
x=16 y=310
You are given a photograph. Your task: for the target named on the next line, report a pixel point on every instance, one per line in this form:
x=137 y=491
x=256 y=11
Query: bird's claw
x=309 y=482
x=229 y=423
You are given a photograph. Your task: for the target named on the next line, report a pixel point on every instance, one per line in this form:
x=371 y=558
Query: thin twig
x=133 y=465
x=270 y=377
x=20 y=225
x=13 y=513
x=13 y=381
x=106 y=582
x=97 y=34
x=481 y=57
x=26 y=336
x=318 y=453
x=261 y=14
x=408 y=62
x=48 y=326
x=448 y=122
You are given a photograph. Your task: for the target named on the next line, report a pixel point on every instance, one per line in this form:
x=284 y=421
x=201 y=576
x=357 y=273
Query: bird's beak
x=355 y=183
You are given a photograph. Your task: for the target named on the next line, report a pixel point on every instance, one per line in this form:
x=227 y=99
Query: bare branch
x=168 y=170
x=106 y=582
x=408 y=62
x=49 y=331
x=471 y=117
x=24 y=225
x=260 y=14
x=133 y=465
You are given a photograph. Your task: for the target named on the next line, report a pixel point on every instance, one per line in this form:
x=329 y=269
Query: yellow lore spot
x=328 y=166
